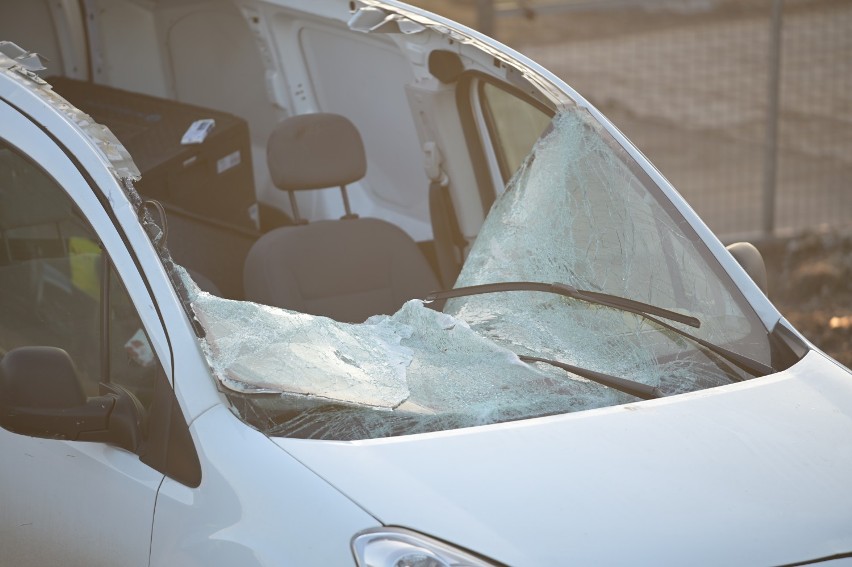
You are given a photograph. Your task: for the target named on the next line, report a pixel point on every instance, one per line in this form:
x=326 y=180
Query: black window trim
x=479 y=157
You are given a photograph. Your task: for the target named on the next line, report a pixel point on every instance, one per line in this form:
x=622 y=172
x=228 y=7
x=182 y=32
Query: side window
x=513 y=125
x=132 y=362
x=57 y=286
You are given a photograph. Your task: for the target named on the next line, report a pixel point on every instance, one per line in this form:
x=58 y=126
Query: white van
x=292 y=282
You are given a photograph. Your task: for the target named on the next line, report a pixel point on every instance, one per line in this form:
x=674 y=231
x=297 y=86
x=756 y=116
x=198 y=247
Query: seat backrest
x=315 y=151
x=346 y=269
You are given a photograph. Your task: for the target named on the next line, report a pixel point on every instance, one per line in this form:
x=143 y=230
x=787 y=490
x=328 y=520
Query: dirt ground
x=694 y=101
x=809 y=282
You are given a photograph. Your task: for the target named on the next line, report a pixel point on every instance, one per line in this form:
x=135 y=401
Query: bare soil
x=809 y=282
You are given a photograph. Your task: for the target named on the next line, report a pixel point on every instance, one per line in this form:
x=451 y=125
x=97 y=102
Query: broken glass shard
x=578 y=211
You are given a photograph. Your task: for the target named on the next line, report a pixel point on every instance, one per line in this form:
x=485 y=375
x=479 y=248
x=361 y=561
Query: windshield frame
x=317 y=408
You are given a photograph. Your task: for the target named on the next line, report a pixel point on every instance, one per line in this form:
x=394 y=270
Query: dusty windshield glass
x=577 y=212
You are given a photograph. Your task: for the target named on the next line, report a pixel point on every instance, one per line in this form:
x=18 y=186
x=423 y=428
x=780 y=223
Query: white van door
x=67 y=502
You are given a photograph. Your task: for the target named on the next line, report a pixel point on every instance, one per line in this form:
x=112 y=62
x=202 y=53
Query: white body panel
x=711 y=478
x=51 y=487
x=256 y=505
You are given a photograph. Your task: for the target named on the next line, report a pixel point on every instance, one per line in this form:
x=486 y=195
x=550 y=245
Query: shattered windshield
x=579 y=212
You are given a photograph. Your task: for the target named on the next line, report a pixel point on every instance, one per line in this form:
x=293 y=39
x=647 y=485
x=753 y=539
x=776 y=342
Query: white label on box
x=227 y=162
x=197 y=131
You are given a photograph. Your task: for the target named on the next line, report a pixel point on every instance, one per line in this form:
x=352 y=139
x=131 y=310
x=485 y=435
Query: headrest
x=314 y=151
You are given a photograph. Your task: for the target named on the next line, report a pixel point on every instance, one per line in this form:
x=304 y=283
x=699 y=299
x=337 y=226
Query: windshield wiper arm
x=649 y=312
x=621 y=384
x=566 y=290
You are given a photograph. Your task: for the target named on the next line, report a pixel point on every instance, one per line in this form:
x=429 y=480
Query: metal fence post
x=485 y=17
x=770 y=158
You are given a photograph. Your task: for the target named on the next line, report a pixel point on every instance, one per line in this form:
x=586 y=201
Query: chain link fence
x=745 y=106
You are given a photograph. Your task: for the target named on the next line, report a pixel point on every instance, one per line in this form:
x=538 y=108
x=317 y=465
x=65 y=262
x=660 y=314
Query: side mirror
x=749 y=257
x=40 y=396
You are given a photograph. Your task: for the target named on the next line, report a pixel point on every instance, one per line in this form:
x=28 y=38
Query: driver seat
x=347 y=269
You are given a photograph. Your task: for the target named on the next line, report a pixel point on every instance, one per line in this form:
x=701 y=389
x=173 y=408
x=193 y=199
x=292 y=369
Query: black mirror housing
x=40 y=377
x=40 y=396
x=125 y=425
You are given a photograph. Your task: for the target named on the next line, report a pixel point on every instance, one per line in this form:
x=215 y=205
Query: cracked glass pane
x=579 y=212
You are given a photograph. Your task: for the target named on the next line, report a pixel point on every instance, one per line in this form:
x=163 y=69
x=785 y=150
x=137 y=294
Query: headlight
x=396 y=547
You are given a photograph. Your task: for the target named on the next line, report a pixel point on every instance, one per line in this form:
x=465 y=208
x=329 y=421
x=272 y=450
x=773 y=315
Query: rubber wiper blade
x=595 y=297
x=621 y=384
x=650 y=312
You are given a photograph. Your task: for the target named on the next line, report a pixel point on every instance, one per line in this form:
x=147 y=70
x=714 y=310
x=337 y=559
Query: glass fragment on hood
x=255 y=348
x=422 y=363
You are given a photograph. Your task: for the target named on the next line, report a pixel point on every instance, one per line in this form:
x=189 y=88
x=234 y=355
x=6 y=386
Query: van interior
x=327 y=157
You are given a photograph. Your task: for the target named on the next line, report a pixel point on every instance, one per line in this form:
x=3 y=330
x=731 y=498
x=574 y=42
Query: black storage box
x=212 y=180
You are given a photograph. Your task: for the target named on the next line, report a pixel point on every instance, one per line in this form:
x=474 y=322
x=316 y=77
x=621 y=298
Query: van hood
x=755 y=473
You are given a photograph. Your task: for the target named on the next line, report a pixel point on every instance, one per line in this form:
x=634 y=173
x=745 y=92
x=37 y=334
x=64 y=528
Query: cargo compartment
x=207 y=188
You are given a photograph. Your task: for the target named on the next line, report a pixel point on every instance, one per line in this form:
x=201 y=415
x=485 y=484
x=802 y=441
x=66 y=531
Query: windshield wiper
x=650 y=312
x=595 y=297
x=621 y=384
